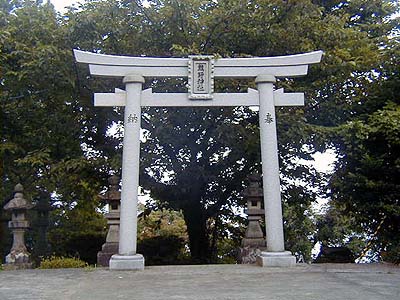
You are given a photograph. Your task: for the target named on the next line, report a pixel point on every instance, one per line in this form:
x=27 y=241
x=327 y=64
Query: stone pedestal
x=104 y=256
x=110 y=247
x=253 y=242
x=249 y=254
x=19 y=257
x=113 y=199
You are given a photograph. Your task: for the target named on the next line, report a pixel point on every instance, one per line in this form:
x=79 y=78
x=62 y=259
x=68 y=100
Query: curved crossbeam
x=120 y=66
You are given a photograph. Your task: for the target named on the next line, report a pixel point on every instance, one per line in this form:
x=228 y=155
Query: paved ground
x=206 y=282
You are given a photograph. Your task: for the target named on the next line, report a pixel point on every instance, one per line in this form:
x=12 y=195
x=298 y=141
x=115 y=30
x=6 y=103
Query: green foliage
x=161 y=223
x=206 y=189
x=46 y=134
x=299 y=230
x=55 y=142
x=227 y=250
x=162 y=237
x=57 y=262
x=367 y=185
x=163 y=250
x=78 y=231
x=363 y=213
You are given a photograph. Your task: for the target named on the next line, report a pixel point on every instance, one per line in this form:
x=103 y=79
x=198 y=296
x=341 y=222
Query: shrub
x=162 y=250
x=82 y=245
x=55 y=262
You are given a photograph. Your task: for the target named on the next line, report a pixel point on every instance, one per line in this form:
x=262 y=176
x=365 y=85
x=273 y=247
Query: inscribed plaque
x=201 y=77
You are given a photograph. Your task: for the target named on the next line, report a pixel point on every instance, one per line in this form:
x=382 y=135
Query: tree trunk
x=196 y=222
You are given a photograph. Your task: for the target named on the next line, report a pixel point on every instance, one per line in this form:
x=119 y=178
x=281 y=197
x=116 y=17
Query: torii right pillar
x=275 y=256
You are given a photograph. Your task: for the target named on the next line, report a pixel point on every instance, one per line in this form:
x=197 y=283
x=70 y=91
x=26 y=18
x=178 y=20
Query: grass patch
x=56 y=262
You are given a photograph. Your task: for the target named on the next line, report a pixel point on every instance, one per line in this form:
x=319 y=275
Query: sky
x=61 y=4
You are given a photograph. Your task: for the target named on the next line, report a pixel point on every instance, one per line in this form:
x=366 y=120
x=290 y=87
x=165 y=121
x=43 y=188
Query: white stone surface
x=120 y=66
x=207 y=282
x=110 y=99
x=127 y=262
x=270 y=165
x=220 y=72
x=250 y=98
x=288 y=99
x=117 y=60
x=150 y=99
x=276 y=259
x=130 y=166
x=201 y=77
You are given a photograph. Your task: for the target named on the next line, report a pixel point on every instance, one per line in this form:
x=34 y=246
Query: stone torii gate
x=201 y=72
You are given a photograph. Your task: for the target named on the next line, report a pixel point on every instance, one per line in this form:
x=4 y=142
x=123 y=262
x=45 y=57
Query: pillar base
x=276 y=259
x=127 y=262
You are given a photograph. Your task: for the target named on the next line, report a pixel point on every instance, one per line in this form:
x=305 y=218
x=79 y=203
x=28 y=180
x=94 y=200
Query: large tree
x=46 y=134
x=207 y=152
x=186 y=141
x=366 y=186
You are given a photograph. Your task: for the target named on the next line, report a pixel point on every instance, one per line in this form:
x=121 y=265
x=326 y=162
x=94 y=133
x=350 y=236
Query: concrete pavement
x=233 y=282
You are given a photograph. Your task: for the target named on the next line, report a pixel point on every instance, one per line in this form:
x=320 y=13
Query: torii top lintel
x=120 y=66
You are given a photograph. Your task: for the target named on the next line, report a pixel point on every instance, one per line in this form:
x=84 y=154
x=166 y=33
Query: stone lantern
x=43 y=208
x=19 y=257
x=113 y=199
x=253 y=242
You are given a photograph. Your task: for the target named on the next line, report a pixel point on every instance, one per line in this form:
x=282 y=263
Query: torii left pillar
x=127 y=258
